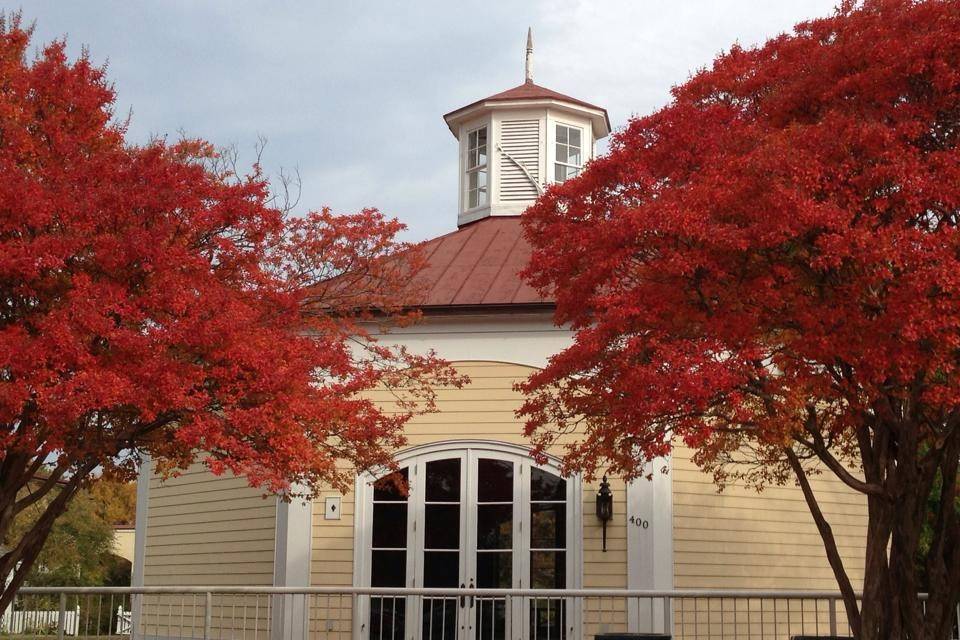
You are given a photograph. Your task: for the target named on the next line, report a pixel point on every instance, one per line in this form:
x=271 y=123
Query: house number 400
x=639 y=522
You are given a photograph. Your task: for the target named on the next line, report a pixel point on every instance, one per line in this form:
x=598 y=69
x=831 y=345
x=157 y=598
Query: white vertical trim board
x=140 y=538
x=650 y=545
x=291 y=567
x=140 y=532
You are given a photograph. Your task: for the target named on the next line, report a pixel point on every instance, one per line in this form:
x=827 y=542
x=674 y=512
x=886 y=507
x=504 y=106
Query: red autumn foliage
x=768 y=270
x=155 y=302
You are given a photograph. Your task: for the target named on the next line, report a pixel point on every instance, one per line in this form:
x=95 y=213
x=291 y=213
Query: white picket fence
x=39 y=621
x=122 y=623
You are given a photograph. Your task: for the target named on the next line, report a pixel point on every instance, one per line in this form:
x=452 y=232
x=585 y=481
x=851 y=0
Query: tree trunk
x=22 y=554
x=907 y=467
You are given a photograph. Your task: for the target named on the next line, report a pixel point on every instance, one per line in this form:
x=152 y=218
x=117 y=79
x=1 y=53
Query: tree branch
x=34 y=496
x=829 y=543
x=818 y=446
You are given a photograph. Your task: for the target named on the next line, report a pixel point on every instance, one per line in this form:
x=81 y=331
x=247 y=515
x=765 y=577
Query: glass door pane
x=548 y=553
x=442 y=541
x=494 y=540
x=388 y=561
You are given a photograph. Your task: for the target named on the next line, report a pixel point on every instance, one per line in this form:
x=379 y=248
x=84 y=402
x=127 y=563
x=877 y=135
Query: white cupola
x=514 y=143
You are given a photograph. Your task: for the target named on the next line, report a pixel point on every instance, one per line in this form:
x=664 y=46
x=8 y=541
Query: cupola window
x=569 y=152
x=477 y=168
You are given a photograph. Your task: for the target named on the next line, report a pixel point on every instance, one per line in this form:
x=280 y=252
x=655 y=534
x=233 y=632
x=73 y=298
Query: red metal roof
x=477 y=265
x=530 y=91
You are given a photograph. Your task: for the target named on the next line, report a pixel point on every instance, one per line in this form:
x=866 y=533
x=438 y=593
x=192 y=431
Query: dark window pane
x=393 y=487
x=495 y=483
x=390 y=525
x=439 y=619
x=443 y=481
x=387 y=617
x=546 y=486
x=548 y=569
x=548 y=526
x=441 y=569
x=495 y=570
x=442 y=526
x=561 y=134
x=574 y=138
x=388 y=569
x=494 y=526
x=548 y=619
x=491 y=619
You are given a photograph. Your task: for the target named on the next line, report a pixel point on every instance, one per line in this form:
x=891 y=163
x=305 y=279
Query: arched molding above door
x=405 y=455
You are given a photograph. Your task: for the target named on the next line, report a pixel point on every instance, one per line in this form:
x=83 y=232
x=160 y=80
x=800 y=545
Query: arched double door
x=467 y=514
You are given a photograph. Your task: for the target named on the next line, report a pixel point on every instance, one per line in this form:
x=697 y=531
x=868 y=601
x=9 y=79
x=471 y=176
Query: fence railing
x=345 y=613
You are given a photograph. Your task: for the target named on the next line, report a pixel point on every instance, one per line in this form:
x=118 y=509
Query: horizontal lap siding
x=208 y=530
x=484 y=409
x=741 y=539
x=605 y=569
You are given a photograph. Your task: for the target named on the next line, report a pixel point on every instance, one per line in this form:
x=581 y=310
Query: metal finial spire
x=528 y=75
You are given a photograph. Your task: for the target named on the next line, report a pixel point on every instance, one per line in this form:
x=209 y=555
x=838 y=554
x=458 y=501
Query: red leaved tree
x=154 y=301
x=768 y=270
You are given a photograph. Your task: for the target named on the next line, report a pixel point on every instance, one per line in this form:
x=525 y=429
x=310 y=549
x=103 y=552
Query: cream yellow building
x=123 y=542
x=479 y=512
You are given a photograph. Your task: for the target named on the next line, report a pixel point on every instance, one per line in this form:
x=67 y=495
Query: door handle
x=462 y=599
x=471 y=597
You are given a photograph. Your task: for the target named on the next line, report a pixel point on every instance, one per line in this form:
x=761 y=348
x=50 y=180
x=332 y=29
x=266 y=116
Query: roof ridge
x=443 y=235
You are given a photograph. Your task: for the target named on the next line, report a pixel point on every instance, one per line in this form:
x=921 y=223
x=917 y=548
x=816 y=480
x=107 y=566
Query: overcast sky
x=352 y=93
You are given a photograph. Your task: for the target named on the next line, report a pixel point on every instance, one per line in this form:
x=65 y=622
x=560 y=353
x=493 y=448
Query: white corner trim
x=140 y=536
x=650 y=544
x=291 y=567
x=140 y=530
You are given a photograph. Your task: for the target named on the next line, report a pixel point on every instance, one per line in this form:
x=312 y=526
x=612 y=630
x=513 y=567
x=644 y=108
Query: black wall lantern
x=604 y=507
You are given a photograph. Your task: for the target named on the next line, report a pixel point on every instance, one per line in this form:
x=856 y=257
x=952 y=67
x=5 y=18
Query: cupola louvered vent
x=519 y=145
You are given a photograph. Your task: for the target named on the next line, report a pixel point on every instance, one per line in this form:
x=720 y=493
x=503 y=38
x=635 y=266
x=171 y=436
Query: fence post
x=355 y=611
x=62 y=616
x=833 y=616
x=668 y=614
x=207 y=616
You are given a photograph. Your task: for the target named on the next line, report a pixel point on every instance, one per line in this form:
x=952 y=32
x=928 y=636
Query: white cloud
x=353 y=93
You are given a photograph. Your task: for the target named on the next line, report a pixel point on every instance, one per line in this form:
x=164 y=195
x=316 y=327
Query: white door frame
x=470 y=451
